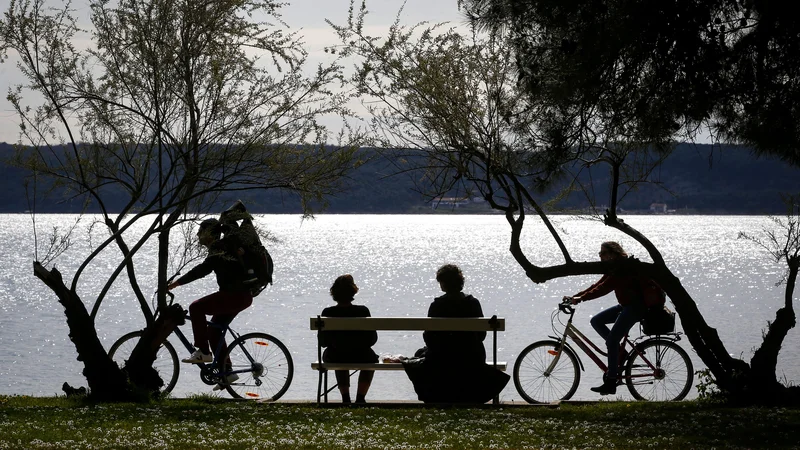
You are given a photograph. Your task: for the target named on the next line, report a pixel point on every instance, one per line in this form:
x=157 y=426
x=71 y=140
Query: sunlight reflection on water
x=393 y=259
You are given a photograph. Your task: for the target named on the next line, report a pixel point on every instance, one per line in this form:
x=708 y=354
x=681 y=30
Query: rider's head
x=344 y=289
x=450 y=278
x=209 y=231
x=611 y=250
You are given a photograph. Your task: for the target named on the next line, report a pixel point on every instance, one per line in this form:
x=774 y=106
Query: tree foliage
x=455 y=99
x=662 y=70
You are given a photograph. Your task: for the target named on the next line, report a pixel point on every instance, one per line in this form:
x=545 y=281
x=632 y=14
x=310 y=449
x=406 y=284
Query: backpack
x=261 y=262
x=658 y=319
x=651 y=293
x=256 y=257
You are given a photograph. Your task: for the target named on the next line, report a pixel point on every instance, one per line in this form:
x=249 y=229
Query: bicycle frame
x=591 y=349
x=214 y=364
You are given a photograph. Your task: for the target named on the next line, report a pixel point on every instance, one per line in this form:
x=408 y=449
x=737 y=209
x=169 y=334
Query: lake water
x=393 y=259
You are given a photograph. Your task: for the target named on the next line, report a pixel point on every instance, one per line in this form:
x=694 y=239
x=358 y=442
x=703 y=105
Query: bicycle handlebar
x=566 y=307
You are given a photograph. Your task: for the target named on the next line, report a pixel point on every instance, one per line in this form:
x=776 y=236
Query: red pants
x=223 y=307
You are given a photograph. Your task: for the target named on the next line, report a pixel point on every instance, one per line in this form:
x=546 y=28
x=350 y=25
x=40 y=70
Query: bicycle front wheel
x=166 y=362
x=660 y=371
x=263 y=365
x=539 y=380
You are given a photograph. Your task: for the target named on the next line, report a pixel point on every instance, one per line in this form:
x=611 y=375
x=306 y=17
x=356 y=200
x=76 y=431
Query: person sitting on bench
x=452 y=365
x=348 y=346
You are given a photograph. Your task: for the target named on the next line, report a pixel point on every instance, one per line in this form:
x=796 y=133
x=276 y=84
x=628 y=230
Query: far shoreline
x=442 y=213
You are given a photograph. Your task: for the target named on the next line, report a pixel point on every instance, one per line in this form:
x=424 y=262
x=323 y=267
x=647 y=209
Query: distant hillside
x=728 y=180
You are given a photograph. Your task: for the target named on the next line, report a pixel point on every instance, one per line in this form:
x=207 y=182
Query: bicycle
x=261 y=362
x=655 y=368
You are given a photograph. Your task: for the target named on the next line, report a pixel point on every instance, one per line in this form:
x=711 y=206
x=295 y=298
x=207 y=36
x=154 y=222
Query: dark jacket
x=625 y=287
x=461 y=346
x=348 y=346
x=221 y=260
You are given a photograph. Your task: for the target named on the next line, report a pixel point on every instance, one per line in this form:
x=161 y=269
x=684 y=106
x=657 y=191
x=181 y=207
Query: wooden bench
x=490 y=324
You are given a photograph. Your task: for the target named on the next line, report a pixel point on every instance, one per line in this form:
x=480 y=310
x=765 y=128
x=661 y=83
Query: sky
x=307 y=16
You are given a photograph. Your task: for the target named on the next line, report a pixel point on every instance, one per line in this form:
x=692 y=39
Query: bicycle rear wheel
x=537 y=386
x=166 y=362
x=264 y=367
x=668 y=379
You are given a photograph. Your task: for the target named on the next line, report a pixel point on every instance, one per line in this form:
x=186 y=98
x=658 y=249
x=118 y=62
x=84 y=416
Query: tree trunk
x=763 y=380
x=140 y=365
x=106 y=381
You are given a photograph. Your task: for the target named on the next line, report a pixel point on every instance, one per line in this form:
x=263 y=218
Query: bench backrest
x=409 y=323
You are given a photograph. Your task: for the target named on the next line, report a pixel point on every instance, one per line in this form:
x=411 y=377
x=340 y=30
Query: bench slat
x=378 y=366
x=409 y=323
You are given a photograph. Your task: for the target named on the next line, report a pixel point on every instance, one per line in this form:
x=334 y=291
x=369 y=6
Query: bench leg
x=319 y=387
x=322 y=386
x=326 y=387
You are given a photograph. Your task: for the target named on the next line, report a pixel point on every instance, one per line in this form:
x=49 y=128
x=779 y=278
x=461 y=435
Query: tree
x=666 y=71
x=784 y=248
x=457 y=110
x=172 y=104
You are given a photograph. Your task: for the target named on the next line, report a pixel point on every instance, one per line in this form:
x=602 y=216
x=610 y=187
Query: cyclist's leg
x=234 y=304
x=219 y=323
x=198 y=311
x=218 y=303
x=601 y=320
x=628 y=316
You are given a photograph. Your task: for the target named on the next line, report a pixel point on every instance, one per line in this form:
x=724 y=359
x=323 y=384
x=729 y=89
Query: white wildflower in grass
x=182 y=424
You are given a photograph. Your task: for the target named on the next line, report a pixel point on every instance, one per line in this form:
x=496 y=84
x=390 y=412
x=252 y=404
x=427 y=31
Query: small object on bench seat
x=491 y=324
x=392 y=358
x=409 y=323
x=501 y=365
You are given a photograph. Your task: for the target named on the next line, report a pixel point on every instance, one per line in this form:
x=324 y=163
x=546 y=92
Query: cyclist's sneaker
x=228 y=380
x=198 y=357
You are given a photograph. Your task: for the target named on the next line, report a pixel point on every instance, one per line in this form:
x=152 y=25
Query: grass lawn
x=50 y=422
